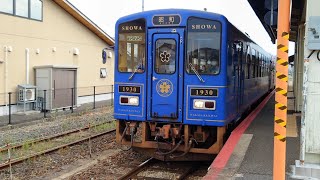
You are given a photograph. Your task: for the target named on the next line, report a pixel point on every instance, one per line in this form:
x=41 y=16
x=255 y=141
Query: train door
x=237 y=49
x=165 y=60
x=243 y=68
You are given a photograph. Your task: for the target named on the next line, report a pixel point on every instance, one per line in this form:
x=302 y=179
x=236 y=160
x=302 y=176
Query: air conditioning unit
x=26 y=93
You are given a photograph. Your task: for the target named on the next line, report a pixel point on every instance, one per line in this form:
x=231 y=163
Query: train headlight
x=134 y=100
x=129 y=100
x=204 y=104
x=198 y=104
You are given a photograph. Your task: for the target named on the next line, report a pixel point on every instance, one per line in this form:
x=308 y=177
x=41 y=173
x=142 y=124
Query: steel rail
x=17 y=160
x=18 y=145
x=137 y=169
x=190 y=170
x=133 y=174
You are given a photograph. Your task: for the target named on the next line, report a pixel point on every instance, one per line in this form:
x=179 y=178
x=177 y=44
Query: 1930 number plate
x=129 y=89
x=204 y=92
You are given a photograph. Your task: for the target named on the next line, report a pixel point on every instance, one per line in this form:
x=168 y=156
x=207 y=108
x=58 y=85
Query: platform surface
x=251 y=158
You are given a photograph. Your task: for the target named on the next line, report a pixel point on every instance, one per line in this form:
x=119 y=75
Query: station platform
x=248 y=153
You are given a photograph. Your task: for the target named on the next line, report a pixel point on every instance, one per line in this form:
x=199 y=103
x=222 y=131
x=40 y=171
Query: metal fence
x=18 y=107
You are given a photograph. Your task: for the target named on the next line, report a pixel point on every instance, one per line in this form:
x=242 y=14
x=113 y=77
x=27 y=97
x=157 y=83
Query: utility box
x=27 y=95
x=314 y=33
x=59 y=83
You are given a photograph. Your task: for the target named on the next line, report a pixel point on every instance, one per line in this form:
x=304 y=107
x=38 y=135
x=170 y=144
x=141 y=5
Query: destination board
x=166 y=20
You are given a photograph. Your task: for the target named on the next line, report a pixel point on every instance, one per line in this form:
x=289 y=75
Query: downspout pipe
x=27 y=64
x=303 y=113
x=6 y=49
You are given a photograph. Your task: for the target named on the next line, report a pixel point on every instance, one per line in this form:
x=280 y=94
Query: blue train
x=181 y=78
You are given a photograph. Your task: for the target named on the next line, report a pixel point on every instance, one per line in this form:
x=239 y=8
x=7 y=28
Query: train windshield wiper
x=133 y=73
x=139 y=66
x=196 y=72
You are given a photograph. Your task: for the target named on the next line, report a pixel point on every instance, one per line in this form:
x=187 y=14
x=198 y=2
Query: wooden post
x=280 y=118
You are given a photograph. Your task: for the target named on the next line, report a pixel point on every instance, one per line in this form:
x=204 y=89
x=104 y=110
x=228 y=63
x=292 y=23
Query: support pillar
x=280 y=119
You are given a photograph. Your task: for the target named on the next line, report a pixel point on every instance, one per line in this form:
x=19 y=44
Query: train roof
x=182 y=12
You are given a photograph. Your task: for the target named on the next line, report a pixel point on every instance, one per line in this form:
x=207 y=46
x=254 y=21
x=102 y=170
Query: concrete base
x=305 y=171
x=26 y=113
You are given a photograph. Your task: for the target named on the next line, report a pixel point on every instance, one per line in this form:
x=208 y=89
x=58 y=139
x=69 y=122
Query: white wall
x=311 y=92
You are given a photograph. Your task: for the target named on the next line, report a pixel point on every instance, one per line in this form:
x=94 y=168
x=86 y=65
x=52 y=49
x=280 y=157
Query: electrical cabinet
x=314 y=33
x=60 y=83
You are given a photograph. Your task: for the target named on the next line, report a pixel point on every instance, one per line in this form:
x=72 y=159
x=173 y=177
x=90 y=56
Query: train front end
x=170 y=83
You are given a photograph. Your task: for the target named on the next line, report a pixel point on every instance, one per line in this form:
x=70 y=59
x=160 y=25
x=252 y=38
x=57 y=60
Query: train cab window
x=132 y=46
x=165 y=56
x=203 y=46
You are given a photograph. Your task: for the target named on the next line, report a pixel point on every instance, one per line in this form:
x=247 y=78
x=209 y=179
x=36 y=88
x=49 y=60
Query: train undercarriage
x=170 y=141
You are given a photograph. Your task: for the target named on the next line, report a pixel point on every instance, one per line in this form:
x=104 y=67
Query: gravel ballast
x=55 y=125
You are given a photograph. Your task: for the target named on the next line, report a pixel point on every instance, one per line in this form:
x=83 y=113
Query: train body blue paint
x=183 y=76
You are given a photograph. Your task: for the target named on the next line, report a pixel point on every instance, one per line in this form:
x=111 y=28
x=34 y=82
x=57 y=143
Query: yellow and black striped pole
x=280 y=118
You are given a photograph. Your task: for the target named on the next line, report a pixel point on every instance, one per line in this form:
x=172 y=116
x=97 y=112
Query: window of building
x=103 y=72
x=22 y=8
x=36 y=9
x=31 y=9
x=6 y=6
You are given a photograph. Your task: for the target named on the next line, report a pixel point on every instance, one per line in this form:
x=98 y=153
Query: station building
x=51 y=45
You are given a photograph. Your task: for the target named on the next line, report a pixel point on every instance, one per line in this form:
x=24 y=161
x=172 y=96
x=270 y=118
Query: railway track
x=21 y=159
x=19 y=145
x=177 y=171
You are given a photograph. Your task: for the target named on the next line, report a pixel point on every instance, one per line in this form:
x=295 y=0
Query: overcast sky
x=106 y=12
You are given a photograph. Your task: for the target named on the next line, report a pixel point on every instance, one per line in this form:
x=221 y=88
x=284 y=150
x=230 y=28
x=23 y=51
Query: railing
x=13 y=111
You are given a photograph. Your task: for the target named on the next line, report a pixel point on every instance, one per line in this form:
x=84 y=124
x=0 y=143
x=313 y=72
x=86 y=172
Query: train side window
x=237 y=54
x=257 y=65
x=132 y=48
x=264 y=66
x=203 y=46
x=262 y=63
x=253 y=64
x=260 y=66
x=248 y=61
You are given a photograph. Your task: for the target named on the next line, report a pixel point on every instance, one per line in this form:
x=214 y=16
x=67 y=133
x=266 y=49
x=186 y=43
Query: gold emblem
x=164 y=87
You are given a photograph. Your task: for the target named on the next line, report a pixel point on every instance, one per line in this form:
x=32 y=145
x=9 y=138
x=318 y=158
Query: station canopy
x=266 y=9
